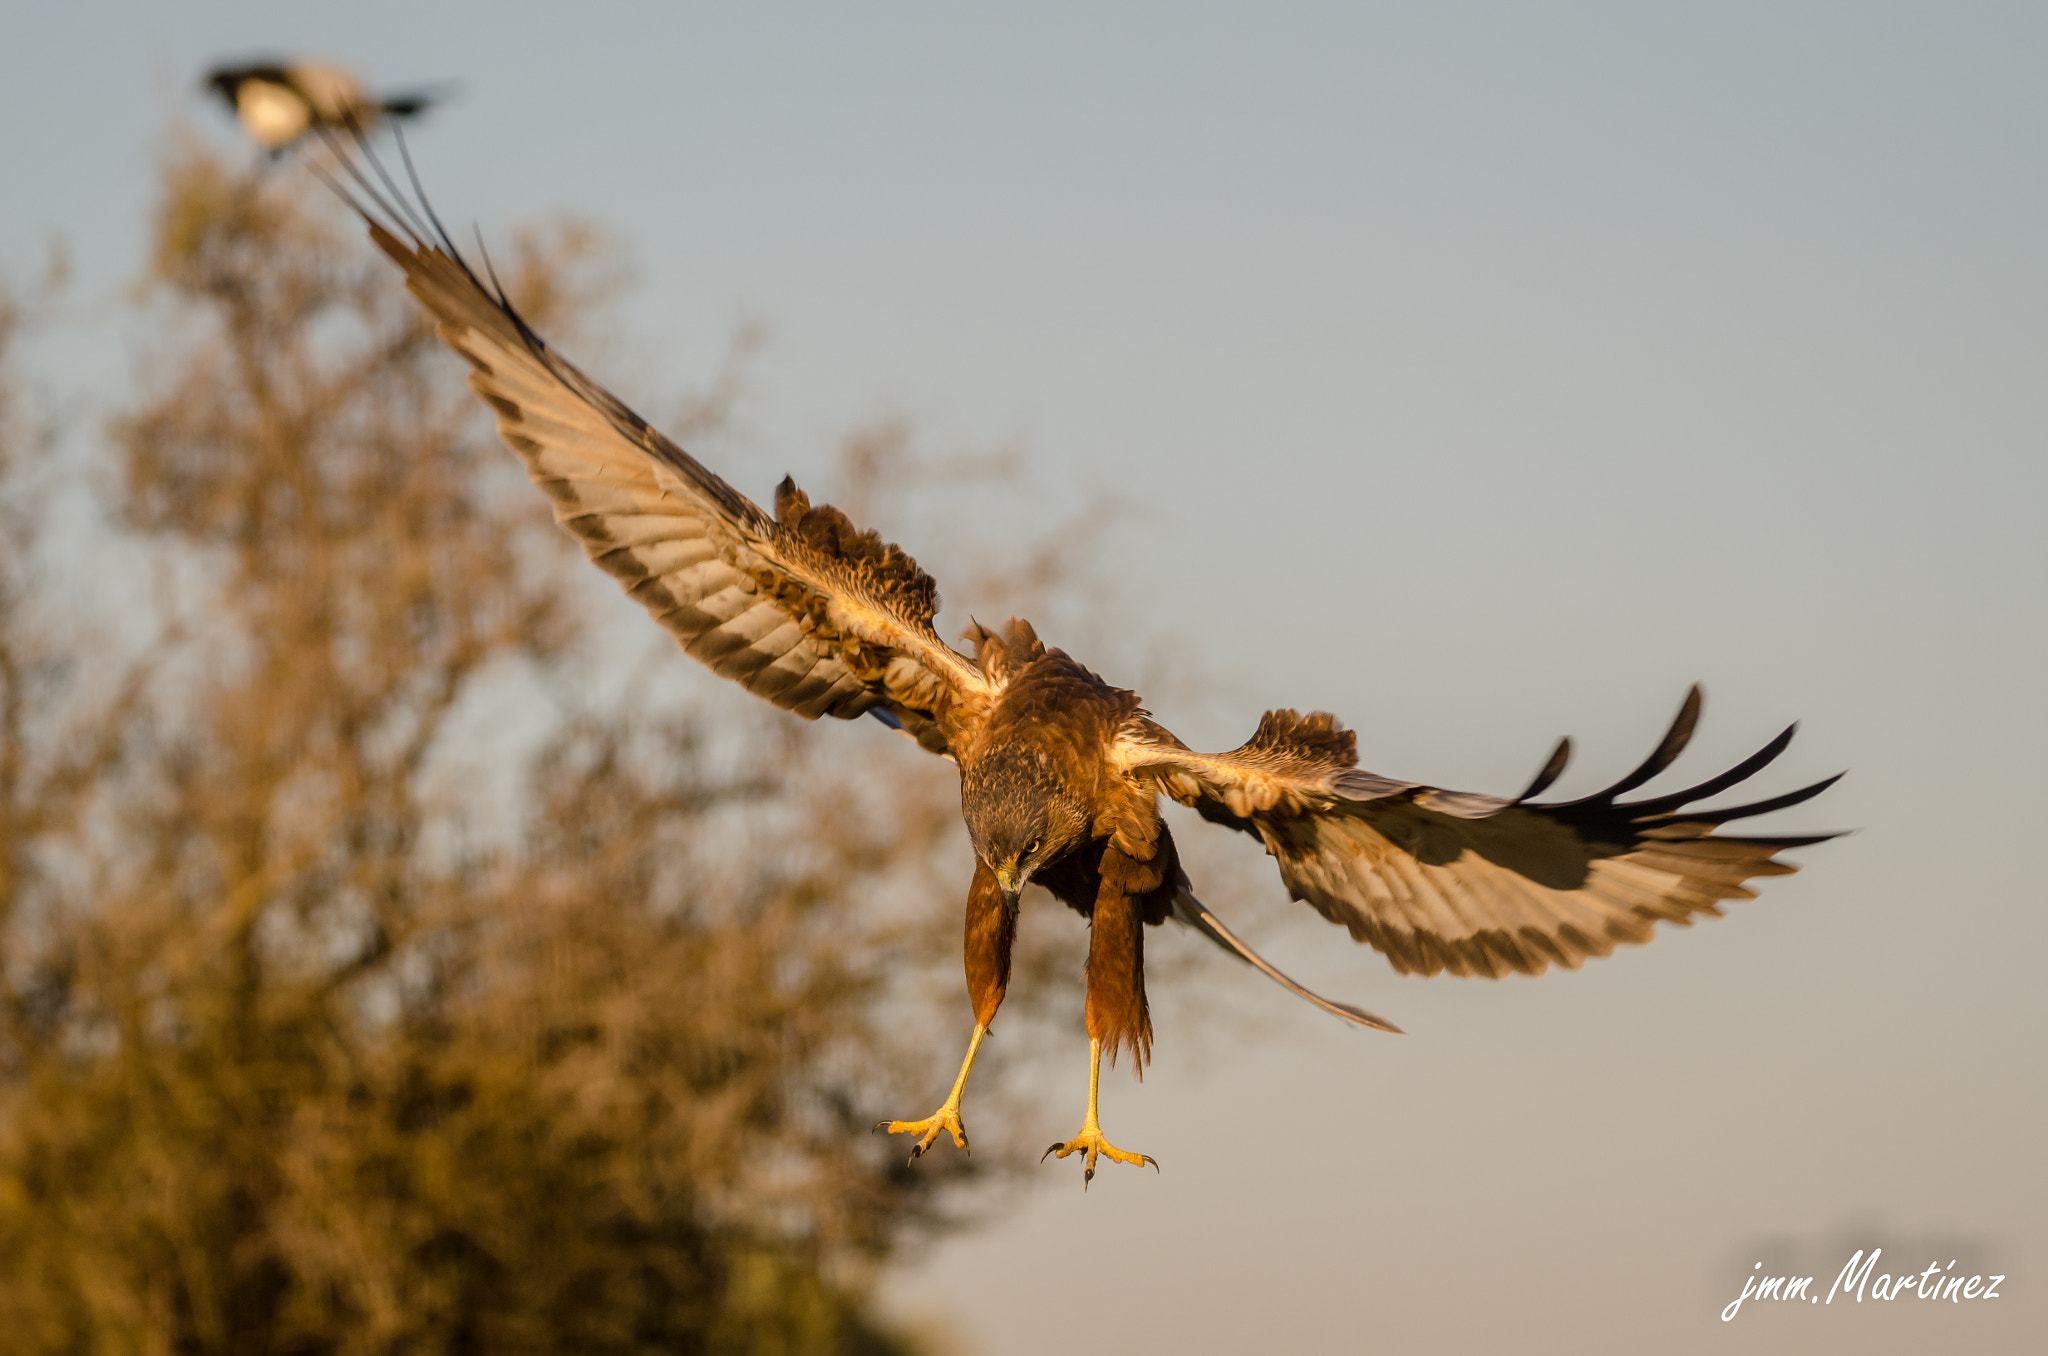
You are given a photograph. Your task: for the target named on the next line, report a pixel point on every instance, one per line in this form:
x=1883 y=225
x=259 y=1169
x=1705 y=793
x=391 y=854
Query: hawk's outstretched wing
x=1476 y=885
x=802 y=608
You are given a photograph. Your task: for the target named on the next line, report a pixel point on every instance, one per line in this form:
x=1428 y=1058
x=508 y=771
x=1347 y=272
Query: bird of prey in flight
x=279 y=101
x=1061 y=773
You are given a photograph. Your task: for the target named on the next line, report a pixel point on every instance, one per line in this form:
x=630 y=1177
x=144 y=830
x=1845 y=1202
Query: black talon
x=1048 y=1153
x=878 y=1126
x=1148 y=1158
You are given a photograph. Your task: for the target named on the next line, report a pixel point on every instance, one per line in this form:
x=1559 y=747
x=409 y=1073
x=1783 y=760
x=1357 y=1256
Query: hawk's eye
x=1034 y=846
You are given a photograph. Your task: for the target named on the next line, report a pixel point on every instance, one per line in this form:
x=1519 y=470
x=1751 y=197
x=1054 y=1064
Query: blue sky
x=1484 y=373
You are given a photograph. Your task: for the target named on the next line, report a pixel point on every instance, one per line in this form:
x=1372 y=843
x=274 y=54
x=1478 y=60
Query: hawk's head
x=1020 y=815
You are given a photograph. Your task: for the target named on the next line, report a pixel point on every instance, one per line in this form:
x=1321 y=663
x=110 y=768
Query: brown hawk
x=1060 y=772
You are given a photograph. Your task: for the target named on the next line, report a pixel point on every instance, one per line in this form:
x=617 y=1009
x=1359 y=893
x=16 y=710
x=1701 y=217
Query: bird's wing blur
x=801 y=608
x=1476 y=885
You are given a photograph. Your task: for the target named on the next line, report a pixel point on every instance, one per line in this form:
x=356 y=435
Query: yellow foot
x=946 y=1118
x=1090 y=1142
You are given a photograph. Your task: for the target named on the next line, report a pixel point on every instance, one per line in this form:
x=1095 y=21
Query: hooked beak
x=1011 y=888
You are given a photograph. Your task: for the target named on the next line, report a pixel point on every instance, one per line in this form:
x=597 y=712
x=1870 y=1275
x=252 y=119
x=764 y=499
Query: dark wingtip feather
x=1550 y=772
x=1764 y=807
x=1741 y=772
x=1779 y=842
x=1674 y=742
x=1667 y=750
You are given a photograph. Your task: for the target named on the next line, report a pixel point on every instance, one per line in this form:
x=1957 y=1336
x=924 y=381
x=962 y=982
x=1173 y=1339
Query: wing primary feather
x=1764 y=807
x=1674 y=742
x=490 y=269
x=394 y=206
x=1550 y=772
x=440 y=231
x=396 y=213
x=404 y=155
x=1779 y=842
x=1741 y=772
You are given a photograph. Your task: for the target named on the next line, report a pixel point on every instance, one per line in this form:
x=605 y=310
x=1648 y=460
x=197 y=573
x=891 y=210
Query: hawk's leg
x=991 y=927
x=1090 y=1141
x=947 y=1117
x=1116 y=1009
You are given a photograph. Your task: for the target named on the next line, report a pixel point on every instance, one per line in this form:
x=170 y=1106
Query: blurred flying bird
x=1061 y=772
x=280 y=101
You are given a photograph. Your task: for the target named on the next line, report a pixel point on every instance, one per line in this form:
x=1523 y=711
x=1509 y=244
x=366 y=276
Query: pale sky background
x=1487 y=373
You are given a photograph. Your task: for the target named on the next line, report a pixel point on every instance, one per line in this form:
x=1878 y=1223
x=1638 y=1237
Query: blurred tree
x=314 y=1039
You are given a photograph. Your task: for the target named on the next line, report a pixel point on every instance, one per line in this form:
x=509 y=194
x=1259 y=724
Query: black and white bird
x=279 y=101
